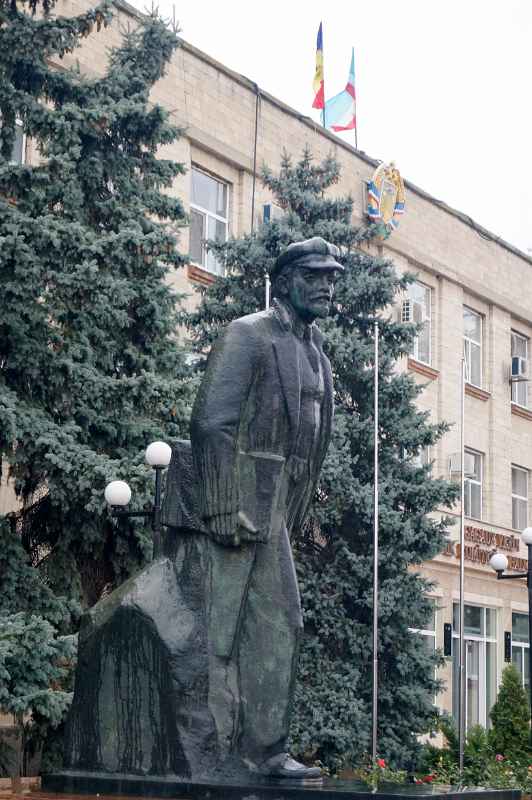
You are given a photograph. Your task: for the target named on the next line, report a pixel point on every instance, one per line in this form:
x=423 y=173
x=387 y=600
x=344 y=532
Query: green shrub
x=510 y=717
x=443 y=762
x=497 y=759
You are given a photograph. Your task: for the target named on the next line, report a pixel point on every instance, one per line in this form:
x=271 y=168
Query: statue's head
x=304 y=276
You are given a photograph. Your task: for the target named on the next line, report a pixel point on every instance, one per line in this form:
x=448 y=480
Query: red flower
x=498 y=757
x=428 y=778
x=381 y=763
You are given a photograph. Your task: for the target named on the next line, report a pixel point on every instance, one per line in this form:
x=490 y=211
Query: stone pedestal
x=257 y=789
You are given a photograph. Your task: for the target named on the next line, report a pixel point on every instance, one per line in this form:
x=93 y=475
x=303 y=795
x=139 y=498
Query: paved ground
x=11 y=789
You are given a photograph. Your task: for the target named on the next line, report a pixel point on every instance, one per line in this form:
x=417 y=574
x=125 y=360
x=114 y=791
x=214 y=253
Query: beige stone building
x=471 y=293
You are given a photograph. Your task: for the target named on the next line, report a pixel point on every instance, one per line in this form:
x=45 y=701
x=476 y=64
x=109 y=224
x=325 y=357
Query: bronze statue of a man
x=188 y=668
x=260 y=429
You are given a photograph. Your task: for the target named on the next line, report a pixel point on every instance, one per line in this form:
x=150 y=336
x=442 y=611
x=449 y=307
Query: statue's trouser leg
x=266 y=652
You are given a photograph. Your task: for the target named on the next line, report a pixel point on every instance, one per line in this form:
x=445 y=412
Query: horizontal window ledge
x=200 y=275
x=521 y=411
x=476 y=391
x=423 y=369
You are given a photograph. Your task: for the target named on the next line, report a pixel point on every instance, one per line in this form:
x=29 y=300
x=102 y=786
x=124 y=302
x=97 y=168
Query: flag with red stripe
x=340 y=110
x=319 y=93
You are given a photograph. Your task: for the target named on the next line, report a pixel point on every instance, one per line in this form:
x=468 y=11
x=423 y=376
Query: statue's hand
x=224 y=529
x=232 y=530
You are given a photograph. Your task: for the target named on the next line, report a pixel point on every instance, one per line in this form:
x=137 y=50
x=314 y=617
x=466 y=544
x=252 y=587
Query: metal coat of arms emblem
x=386 y=198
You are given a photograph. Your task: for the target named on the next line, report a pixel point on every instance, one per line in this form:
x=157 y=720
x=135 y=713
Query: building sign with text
x=480 y=544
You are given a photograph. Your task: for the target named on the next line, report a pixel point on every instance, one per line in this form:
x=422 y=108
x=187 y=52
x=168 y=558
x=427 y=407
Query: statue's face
x=310 y=291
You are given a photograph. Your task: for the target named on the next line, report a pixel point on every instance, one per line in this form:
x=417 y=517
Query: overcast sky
x=443 y=88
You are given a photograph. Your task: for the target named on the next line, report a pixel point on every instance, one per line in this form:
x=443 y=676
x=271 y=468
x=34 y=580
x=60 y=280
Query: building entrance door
x=472 y=683
x=480 y=664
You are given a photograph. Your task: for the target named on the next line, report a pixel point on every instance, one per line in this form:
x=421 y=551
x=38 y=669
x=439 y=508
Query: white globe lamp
x=117 y=493
x=158 y=454
x=499 y=562
x=526 y=536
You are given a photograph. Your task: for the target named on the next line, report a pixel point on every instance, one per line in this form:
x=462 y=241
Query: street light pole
x=462 y=649
x=529 y=587
x=499 y=563
x=156 y=513
x=118 y=493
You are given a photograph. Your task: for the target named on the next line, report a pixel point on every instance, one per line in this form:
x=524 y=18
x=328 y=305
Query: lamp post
x=118 y=493
x=499 y=563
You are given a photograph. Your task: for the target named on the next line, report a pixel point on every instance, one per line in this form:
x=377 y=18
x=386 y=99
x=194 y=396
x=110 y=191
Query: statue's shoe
x=284 y=766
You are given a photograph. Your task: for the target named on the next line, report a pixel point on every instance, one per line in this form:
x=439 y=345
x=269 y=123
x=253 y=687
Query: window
x=420 y=296
x=473 y=347
x=208 y=218
x=473 y=487
x=429 y=630
x=480 y=640
x=420 y=459
x=520 y=646
x=271 y=212
x=519 y=498
x=520 y=388
x=19 y=145
x=18 y=153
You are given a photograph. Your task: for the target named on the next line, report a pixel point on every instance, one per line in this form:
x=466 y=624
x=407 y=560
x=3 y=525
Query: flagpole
x=375 y=546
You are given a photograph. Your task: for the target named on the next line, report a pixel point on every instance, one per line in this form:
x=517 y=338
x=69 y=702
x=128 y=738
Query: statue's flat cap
x=313 y=253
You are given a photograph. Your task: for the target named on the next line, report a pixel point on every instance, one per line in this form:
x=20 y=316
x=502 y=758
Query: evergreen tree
x=332 y=718
x=510 y=715
x=34 y=658
x=90 y=369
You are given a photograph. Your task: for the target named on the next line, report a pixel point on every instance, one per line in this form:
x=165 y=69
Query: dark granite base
x=255 y=788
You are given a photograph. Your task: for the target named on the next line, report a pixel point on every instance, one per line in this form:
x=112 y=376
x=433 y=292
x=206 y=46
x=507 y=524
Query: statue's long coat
x=249 y=401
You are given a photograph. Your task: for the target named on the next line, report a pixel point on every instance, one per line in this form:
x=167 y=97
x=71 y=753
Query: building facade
x=470 y=293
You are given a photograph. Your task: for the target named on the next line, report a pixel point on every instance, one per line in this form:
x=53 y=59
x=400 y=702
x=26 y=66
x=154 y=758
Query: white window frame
x=430 y=632
x=210 y=214
x=423 y=457
x=522 y=647
x=468 y=482
x=469 y=344
x=19 y=124
x=519 y=388
x=520 y=497
x=426 y=322
x=420 y=459
x=483 y=640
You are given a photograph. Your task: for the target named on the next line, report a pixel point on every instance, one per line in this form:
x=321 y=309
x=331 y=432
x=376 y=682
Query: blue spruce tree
x=90 y=369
